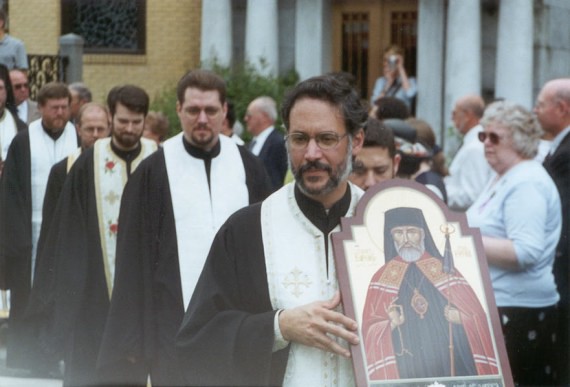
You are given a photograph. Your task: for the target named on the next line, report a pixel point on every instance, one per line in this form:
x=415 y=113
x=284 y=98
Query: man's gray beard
x=411 y=254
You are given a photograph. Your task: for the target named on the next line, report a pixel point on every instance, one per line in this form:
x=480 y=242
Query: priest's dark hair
x=53 y=90
x=132 y=97
x=376 y=134
x=333 y=89
x=203 y=80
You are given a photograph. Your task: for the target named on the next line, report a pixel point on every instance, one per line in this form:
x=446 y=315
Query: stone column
x=71 y=46
x=431 y=26
x=462 y=59
x=513 y=78
x=216 y=36
x=313 y=43
x=261 y=35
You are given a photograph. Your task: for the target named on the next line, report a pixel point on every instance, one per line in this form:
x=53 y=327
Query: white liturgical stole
x=110 y=173
x=297 y=274
x=44 y=153
x=71 y=158
x=8 y=130
x=199 y=209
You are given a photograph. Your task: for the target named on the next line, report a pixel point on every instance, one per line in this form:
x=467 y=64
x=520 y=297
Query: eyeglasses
x=21 y=86
x=324 y=140
x=493 y=137
x=194 y=111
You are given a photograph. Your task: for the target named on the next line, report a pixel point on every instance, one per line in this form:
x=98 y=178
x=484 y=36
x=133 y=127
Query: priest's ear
x=225 y=109
x=357 y=141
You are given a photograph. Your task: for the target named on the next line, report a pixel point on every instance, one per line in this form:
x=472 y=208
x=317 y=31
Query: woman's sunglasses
x=493 y=137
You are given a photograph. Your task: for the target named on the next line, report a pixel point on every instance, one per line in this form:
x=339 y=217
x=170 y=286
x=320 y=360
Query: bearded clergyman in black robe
x=266 y=310
x=31 y=155
x=171 y=209
x=75 y=290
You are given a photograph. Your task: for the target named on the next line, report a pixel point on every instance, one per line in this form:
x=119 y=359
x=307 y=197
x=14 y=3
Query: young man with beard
x=268 y=292
x=171 y=209
x=412 y=304
x=30 y=157
x=83 y=243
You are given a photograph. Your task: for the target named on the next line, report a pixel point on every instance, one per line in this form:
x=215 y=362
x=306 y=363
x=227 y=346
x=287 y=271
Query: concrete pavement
x=18 y=378
x=6 y=381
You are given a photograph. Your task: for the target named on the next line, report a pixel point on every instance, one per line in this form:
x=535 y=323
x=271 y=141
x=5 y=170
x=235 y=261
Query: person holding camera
x=395 y=82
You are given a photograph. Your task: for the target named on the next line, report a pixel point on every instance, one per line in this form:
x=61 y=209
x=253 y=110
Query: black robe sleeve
x=42 y=296
x=64 y=260
x=558 y=166
x=274 y=156
x=16 y=218
x=55 y=182
x=44 y=265
x=227 y=335
x=256 y=177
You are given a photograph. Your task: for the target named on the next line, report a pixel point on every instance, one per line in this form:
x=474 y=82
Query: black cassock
x=147 y=305
x=227 y=334
x=16 y=249
x=16 y=246
x=70 y=295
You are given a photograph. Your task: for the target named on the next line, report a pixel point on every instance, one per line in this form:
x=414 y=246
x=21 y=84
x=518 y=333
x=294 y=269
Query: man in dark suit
x=267 y=143
x=553 y=111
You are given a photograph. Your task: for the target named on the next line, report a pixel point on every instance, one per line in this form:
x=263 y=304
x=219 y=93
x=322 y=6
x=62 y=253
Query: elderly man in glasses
x=268 y=291
x=27 y=109
x=469 y=171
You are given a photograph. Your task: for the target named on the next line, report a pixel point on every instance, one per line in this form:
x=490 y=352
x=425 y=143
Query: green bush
x=244 y=83
x=165 y=102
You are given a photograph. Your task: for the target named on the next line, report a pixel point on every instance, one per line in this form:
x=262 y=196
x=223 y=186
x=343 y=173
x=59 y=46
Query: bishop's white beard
x=411 y=253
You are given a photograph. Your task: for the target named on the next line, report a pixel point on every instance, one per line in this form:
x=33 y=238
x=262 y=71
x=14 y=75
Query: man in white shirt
x=469 y=170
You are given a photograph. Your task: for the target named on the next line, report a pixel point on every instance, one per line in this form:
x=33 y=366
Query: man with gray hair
x=553 y=112
x=267 y=143
x=80 y=95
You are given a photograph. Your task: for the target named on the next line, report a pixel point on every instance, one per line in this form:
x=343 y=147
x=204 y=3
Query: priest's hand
x=317 y=323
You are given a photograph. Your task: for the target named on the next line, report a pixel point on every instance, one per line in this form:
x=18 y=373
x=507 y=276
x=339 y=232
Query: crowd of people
x=130 y=255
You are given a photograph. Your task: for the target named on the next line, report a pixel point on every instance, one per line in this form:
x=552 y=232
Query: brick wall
x=172 y=44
